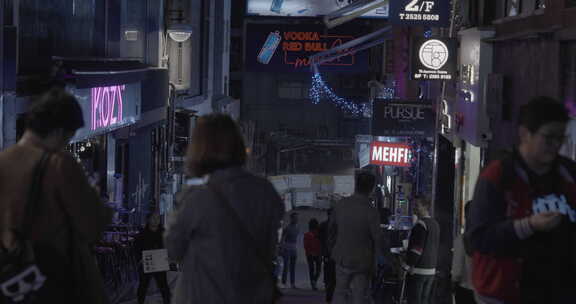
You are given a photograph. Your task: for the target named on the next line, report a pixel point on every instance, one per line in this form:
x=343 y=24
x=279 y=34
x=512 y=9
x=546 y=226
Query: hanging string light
x=320 y=90
x=388 y=92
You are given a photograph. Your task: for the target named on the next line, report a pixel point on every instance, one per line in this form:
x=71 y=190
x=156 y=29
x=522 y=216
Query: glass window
x=66 y=28
x=569 y=3
x=133 y=29
x=513 y=7
x=292 y=90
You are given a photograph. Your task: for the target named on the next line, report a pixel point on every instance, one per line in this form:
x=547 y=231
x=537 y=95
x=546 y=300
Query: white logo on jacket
x=553 y=203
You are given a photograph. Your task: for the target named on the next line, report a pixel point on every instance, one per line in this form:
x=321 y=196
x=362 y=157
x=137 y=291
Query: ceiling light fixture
x=180 y=32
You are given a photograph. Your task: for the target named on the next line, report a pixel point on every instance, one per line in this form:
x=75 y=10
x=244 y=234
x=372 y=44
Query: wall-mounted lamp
x=180 y=32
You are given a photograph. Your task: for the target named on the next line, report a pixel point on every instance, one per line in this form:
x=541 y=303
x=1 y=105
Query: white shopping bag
x=155 y=260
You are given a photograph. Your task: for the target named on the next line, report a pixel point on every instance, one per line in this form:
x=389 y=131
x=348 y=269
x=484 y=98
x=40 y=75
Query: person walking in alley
x=328 y=265
x=288 y=248
x=523 y=215
x=224 y=232
x=422 y=255
x=151 y=238
x=313 y=250
x=67 y=214
x=355 y=233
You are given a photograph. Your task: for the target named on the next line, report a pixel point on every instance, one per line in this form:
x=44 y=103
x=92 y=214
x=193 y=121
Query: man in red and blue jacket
x=523 y=216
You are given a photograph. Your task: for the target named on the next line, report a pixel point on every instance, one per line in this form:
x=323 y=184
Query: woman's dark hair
x=216 y=144
x=313 y=224
x=55 y=109
x=540 y=111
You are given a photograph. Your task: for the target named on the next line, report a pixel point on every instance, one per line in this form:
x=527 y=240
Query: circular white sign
x=434 y=54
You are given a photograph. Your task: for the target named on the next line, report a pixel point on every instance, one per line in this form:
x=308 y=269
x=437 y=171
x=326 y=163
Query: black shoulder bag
x=265 y=261
x=20 y=277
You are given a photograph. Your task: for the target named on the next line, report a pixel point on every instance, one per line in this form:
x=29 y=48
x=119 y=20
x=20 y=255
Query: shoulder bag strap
x=266 y=262
x=35 y=193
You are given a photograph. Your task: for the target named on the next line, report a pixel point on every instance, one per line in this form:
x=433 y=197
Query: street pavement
x=303 y=294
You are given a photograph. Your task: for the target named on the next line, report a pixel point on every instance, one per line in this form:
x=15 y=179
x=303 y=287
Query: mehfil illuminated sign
x=106 y=104
x=390 y=154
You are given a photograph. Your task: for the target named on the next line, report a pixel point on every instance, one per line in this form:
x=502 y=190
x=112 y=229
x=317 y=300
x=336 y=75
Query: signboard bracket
x=356 y=45
x=352 y=11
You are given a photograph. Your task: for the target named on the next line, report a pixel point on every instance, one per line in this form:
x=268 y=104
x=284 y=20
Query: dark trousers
x=463 y=295
x=314 y=268
x=329 y=278
x=161 y=281
x=419 y=289
x=289 y=266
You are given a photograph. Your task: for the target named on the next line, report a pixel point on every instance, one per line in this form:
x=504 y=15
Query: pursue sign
x=429 y=13
x=433 y=59
x=402 y=118
x=390 y=154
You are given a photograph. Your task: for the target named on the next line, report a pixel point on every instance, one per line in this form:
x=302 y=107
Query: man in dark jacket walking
x=523 y=215
x=329 y=266
x=355 y=228
x=422 y=255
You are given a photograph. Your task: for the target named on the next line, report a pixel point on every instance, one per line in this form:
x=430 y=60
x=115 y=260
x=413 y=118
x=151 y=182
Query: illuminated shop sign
x=433 y=59
x=428 y=13
x=390 y=154
x=107 y=108
x=287 y=48
x=402 y=118
x=304 y=8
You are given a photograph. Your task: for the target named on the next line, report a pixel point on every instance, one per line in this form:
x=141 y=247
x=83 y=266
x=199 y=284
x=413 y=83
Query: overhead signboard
x=434 y=59
x=107 y=108
x=402 y=118
x=390 y=154
x=287 y=48
x=304 y=8
x=429 y=13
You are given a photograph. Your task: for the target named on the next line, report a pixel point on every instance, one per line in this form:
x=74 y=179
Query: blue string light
x=388 y=92
x=319 y=90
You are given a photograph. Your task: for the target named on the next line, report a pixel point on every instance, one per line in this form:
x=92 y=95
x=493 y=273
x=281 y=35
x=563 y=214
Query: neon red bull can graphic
x=269 y=47
x=276 y=6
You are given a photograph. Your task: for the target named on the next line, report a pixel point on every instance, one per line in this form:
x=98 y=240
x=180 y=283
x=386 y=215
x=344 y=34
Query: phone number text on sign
x=419 y=17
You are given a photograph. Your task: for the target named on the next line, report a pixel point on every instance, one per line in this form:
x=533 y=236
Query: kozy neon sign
x=106 y=104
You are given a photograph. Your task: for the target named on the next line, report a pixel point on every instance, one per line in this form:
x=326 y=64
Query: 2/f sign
x=420 y=6
x=430 y=13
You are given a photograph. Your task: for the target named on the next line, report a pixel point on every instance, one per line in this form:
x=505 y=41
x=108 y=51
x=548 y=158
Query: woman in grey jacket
x=223 y=232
